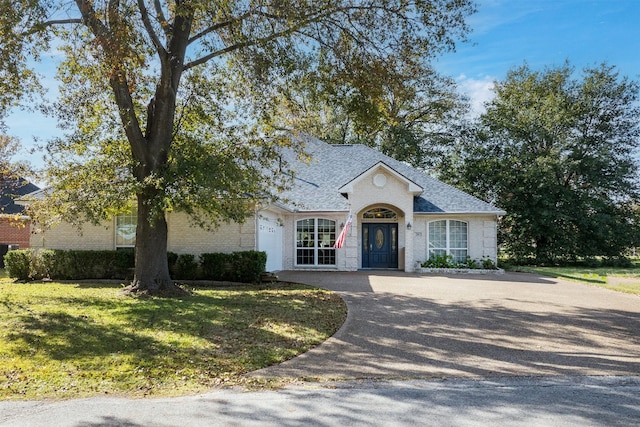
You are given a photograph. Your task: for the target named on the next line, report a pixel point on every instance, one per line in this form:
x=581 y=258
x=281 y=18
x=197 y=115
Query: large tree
x=175 y=103
x=558 y=151
x=413 y=114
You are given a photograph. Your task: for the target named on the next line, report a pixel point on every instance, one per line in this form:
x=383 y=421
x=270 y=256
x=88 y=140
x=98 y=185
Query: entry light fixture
x=408 y=226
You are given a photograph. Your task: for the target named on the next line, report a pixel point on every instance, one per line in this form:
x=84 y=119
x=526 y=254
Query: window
x=448 y=237
x=126 y=229
x=380 y=213
x=315 y=238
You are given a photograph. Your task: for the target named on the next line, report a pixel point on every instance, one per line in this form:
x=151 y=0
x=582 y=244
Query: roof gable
x=10 y=190
x=412 y=187
x=318 y=185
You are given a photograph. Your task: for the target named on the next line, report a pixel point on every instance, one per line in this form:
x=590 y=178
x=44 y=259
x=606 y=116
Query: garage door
x=270 y=240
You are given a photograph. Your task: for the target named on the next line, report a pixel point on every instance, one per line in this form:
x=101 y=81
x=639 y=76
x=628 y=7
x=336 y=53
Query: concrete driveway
x=427 y=326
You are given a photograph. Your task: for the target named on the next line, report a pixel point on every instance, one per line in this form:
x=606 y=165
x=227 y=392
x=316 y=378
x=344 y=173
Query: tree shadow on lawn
x=206 y=336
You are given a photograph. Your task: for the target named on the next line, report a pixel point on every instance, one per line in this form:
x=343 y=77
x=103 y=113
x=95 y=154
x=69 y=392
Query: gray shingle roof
x=332 y=166
x=10 y=190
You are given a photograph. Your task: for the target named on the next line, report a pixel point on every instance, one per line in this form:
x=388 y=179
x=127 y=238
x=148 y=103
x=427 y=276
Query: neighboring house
x=399 y=217
x=15 y=227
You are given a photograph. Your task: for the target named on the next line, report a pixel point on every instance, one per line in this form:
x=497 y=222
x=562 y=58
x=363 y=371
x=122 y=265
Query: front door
x=379 y=245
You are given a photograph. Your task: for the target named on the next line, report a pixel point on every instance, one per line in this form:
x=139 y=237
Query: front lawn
x=71 y=340
x=618 y=279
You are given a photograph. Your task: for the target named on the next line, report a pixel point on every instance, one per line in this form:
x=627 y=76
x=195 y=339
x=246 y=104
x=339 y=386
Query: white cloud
x=478 y=90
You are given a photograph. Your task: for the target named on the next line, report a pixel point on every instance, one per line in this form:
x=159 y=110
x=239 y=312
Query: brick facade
x=15 y=231
x=183 y=237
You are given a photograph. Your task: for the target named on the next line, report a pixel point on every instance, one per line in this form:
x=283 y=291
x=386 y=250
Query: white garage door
x=270 y=240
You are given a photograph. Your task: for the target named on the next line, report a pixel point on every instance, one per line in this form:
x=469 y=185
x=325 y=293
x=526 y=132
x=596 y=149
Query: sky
x=543 y=33
x=505 y=34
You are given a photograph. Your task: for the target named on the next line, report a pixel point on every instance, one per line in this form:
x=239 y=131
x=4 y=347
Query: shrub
x=79 y=264
x=470 y=264
x=246 y=266
x=618 y=261
x=591 y=262
x=18 y=264
x=29 y=264
x=42 y=263
x=439 y=261
x=172 y=258
x=75 y=265
x=216 y=266
x=489 y=264
x=186 y=267
x=125 y=261
x=446 y=261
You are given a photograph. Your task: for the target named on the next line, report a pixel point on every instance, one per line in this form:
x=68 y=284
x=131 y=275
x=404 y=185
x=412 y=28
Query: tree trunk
x=542 y=250
x=151 y=276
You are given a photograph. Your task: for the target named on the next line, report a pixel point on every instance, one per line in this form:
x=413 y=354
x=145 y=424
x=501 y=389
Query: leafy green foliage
x=32 y=264
x=246 y=266
x=20 y=22
x=439 y=261
x=29 y=264
x=408 y=112
x=556 y=152
x=18 y=264
x=178 y=103
x=186 y=267
x=446 y=261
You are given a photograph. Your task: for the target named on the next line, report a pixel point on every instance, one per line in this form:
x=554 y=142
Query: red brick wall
x=14 y=232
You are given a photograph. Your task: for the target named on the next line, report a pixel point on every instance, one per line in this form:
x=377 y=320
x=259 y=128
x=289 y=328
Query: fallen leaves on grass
x=71 y=340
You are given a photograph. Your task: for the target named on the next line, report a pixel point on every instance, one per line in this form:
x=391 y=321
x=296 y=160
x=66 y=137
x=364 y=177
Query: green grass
x=618 y=279
x=74 y=340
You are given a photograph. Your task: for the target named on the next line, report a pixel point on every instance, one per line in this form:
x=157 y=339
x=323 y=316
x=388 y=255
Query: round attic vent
x=380 y=180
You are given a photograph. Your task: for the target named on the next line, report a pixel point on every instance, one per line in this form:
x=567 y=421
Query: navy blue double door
x=379 y=245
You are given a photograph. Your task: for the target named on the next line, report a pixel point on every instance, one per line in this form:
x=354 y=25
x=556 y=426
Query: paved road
x=515 y=350
x=602 y=401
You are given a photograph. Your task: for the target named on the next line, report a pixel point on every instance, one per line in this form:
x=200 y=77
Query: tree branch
x=254 y=42
x=62 y=22
x=317 y=16
x=219 y=26
x=117 y=80
x=162 y=53
x=163 y=20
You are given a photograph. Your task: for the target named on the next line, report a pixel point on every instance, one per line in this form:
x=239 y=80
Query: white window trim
x=447 y=247
x=133 y=214
x=315 y=248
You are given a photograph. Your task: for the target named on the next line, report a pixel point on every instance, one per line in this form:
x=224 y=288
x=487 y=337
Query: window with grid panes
x=125 y=229
x=448 y=237
x=315 y=238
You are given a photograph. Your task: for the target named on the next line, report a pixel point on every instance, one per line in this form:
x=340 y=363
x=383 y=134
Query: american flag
x=343 y=233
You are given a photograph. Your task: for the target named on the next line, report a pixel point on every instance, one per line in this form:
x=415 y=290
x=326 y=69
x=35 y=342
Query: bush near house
x=245 y=266
x=30 y=264
x=446 y=261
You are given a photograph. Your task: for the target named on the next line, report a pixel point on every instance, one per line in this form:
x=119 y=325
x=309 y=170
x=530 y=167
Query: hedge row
x=29 y=264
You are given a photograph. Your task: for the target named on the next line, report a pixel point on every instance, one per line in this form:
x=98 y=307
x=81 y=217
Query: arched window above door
x=380 y=213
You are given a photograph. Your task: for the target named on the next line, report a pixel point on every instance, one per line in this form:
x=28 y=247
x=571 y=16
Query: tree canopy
x=410 y=113
x=557 y=150
x=178 y=103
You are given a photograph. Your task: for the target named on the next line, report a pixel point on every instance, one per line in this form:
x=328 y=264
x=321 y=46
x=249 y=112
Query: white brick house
x=400 y=216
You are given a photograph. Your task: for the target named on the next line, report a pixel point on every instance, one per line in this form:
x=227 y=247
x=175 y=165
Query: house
x=395 y=217
x=15 y=226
